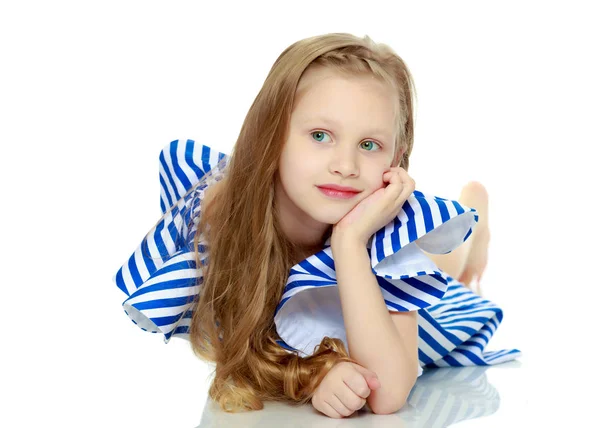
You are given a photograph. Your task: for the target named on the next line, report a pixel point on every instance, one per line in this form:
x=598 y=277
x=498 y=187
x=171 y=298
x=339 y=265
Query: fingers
x=346 y=394
x=407 y=188
x=346 y=405
x=352 y=397
x=357 y=387
x=360 y=384
x=396 y=175
x=330 y=411
x=401 y=185
x=391 y=174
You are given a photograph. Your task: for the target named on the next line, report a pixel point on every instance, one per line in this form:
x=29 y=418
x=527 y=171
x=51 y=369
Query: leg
x=469 y=260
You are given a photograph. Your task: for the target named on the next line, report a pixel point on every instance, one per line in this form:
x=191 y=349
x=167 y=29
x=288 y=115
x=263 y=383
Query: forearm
x=373 y=339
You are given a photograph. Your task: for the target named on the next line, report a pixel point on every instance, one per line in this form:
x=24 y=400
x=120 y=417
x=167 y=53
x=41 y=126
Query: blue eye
x=318 y=132
x=369 y=148
x=372 y=143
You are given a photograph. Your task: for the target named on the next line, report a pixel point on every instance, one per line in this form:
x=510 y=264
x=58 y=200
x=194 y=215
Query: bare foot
x=474 y=195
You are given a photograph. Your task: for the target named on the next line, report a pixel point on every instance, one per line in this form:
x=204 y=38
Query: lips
x=333 y=192
x=339 y=188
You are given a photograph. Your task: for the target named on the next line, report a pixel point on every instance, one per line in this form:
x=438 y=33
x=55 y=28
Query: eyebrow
x=329 y=121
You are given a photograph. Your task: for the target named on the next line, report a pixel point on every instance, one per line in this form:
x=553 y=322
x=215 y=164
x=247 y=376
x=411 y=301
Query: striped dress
x=161 y=279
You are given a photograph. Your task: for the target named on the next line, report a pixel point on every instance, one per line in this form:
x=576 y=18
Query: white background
x=90 y=92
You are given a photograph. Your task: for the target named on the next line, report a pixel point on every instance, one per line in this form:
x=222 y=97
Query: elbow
x=385 y=404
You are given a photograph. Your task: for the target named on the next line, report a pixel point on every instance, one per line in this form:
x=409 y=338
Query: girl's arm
x=382 y=341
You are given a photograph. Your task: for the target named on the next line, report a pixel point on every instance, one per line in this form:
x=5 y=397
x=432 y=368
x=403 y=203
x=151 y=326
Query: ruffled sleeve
x=181 y=165
x=310 y=308
x=161 y=278
x=164 y=302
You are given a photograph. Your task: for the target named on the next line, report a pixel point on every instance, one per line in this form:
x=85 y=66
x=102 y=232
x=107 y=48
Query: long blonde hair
x=249 y=256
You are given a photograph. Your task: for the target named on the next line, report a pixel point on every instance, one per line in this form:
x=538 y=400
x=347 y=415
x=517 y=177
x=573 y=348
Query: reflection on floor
x=441 y=397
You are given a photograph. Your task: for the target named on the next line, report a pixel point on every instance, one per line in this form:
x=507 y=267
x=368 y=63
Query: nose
x=344 y=161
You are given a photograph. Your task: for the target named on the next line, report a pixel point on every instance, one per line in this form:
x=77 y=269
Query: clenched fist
x=344 y=390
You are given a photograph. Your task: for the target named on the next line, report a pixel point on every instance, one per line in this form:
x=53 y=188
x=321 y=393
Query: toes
x=475 y=188
x=475 y=195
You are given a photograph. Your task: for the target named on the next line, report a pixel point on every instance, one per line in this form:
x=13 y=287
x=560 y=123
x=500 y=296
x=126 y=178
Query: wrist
x=347 y=244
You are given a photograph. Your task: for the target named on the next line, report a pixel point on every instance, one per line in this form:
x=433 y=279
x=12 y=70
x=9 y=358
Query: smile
x=337 y=194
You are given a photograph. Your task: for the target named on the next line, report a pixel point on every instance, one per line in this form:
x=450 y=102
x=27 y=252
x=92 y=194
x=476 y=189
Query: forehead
x=322 y=77
x=337 y=99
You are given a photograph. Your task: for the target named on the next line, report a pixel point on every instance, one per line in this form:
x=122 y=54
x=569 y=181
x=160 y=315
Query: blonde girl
x=321 y=162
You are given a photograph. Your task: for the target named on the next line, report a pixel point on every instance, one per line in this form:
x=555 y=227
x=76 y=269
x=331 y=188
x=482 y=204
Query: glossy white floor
x=441 y=397
x=515 y=393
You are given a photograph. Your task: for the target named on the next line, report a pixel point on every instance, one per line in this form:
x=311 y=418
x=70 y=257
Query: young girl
x=306 y=265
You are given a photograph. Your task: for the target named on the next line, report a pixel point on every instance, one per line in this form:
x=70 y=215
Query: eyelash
x=373 y=141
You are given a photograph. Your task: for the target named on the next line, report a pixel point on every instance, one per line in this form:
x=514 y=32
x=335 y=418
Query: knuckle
x=347 y=411
x=357 y=403
x=361 y=390
x=365 y=391
x=329 y=411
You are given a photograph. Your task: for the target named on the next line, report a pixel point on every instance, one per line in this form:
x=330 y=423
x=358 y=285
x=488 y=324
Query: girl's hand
x=344 y=390
x=376 y=210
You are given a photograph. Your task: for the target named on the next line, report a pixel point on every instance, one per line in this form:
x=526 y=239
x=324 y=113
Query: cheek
x=294 y=175
x=377 y=178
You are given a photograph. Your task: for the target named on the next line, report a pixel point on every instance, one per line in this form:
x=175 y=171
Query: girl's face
x=342 y=132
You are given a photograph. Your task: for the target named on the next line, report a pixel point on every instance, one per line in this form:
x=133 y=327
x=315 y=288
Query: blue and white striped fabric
x=161 y=278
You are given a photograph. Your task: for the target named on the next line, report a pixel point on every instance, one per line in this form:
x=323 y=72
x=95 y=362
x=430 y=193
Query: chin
x=330 y=216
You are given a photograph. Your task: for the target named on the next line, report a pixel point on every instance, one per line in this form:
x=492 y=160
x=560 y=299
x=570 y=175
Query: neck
x=304 y=232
